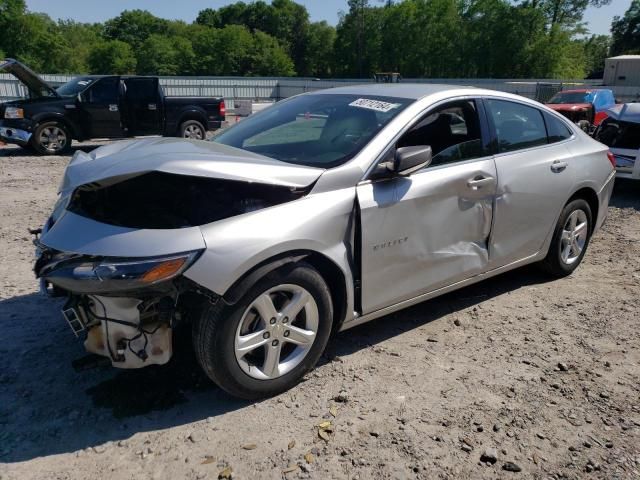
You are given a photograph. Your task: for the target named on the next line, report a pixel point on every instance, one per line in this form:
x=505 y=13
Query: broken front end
x=128 y=307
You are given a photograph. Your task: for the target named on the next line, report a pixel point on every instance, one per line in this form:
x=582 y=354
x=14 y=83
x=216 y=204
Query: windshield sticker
x=376 y=105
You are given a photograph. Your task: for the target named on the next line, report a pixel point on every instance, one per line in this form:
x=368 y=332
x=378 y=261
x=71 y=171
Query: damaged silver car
x=320 y=213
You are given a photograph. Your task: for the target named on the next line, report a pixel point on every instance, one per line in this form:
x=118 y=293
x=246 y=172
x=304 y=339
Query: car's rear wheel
x=267 y=341
x=51 y=138
x=192 y=129
x=570 y=239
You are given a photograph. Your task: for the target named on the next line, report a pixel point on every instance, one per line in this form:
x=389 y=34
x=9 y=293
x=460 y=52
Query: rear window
x=618 y=134
x=556 y=129
x=517 y=126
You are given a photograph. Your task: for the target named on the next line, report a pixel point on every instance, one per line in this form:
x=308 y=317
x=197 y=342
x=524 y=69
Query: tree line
x=417 y=38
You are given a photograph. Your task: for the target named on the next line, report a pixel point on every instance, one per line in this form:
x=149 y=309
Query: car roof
x=399 y=90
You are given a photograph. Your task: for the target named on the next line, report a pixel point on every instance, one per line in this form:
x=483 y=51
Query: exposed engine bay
x=129 y=306
x=159 y=200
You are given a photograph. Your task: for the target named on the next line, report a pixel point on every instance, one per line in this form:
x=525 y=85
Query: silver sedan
x=320 y=213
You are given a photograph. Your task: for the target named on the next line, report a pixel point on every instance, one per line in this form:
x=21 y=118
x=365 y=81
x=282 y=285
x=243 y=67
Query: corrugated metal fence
x=265 y=89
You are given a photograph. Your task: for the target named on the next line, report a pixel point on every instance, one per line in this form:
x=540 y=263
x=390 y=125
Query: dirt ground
x=516 y=377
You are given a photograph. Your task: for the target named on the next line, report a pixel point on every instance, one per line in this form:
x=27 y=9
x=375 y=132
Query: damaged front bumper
x=128 y=307
x=15 y=135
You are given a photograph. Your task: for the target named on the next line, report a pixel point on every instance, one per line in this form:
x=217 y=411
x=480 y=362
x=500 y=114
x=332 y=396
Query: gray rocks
x=511 y=467
x=490 y=455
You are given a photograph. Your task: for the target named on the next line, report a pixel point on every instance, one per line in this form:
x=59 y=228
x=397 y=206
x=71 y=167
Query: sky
x=598 y=19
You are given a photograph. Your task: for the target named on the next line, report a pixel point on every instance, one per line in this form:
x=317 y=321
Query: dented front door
x=425 y=231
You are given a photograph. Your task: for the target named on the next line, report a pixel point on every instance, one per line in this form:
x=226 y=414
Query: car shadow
x=48 y=408
x=16 y=151
x=626 y=194
x=383 y=328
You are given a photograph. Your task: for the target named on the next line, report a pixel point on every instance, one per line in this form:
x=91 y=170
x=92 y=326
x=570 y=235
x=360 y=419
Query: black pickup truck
x=106 y=106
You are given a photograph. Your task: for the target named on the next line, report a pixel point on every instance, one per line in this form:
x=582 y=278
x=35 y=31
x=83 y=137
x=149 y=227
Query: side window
x=105 y=91
x=141 y=90
x=517 y=126
x=452 y=131
x=556 y=129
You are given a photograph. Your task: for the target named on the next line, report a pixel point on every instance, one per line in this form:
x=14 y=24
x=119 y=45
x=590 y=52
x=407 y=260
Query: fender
x=235 y=292
x=192 y=113
x=38 y=118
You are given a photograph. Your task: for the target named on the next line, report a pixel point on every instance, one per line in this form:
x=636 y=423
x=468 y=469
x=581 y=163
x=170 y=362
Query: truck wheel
x=266 y=342
x=192 y=129
x=51 y=138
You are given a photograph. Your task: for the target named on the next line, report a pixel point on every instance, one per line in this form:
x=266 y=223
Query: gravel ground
x=516 y=377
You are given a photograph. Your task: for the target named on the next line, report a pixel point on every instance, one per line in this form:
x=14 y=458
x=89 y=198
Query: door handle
x=113 y=107
x=558 y=166
x=479 y=182
x=152 y=106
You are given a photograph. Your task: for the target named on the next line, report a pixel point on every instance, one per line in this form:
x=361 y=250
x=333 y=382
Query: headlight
x=109 y=275
x=13 y=112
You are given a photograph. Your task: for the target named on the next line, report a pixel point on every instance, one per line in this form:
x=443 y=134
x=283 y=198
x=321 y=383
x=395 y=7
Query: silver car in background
x=320 y=213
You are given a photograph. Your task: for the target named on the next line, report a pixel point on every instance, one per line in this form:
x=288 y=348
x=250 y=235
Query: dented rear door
x=425 y=231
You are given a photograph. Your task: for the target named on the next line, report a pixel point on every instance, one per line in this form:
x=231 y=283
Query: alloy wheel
x=194 y=132
x=574 y=236
x=53 y=139
x=276 y=332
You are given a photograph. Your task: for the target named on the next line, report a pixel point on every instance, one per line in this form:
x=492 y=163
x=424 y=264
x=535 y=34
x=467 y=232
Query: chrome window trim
x=530 y=105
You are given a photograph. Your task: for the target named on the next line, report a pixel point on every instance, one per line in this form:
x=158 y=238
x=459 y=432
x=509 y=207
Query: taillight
x=611 y=158
x=223 y=109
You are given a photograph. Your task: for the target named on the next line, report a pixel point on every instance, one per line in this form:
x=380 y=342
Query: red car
x=586 y=107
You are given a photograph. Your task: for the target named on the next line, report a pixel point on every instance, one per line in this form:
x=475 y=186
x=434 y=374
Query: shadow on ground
x=626 y=194
x=48 y=408
x=15 y=151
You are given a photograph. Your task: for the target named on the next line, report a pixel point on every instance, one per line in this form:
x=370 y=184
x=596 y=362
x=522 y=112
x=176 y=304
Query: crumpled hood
x=568 y=107
x=131 y=158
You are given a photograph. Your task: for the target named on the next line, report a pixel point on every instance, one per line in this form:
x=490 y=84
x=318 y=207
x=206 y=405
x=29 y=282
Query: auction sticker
x=376 y=105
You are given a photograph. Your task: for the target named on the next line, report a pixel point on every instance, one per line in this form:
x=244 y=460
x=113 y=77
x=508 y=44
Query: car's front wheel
x=51 y=138
x=266 y=342
x=570 y=239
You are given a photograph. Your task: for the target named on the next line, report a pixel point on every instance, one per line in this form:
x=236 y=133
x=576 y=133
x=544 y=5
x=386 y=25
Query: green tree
x=596 y=50
x=564 y=12
x=626 y=31
x=80 y=38
x=319 y=58
x=134 y=27
x=160 y=55
x=269 y=58
x=112 y=57
x=11 y=28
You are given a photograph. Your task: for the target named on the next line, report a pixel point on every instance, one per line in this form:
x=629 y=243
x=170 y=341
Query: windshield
x=74 y=86
x=572 y=97
x=322 y=130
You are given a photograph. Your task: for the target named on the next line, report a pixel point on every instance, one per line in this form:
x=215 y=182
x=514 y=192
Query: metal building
x=623 y=70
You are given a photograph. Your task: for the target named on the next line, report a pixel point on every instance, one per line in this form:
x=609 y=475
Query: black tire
x=192 y=129
x=57 y=147
x=554 y=263
x=214 y=335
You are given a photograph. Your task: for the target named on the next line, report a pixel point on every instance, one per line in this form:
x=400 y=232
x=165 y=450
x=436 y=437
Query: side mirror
x=79 y=98
x=410 y=159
